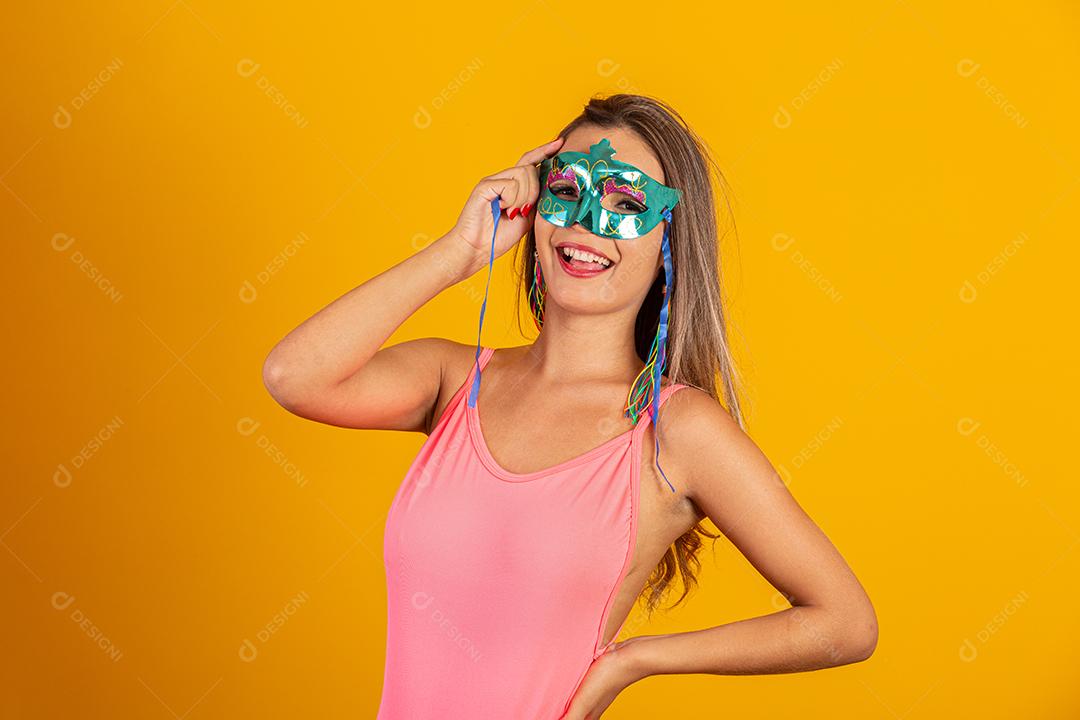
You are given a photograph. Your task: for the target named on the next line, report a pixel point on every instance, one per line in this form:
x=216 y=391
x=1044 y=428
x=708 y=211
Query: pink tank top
x=499 y=584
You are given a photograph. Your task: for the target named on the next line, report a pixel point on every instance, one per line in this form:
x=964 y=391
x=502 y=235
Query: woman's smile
x=581 y=260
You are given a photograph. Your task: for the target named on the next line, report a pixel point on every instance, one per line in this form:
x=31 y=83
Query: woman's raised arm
x=331 y=368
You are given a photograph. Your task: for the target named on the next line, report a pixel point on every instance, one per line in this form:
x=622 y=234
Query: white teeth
x=571 y=252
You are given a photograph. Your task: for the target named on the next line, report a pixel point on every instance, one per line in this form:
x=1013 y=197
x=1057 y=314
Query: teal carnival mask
x=608 y=197
x=611 y=199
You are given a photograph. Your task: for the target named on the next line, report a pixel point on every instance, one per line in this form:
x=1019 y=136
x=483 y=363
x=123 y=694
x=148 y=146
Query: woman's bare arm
x=831 y=620
x=331 y=368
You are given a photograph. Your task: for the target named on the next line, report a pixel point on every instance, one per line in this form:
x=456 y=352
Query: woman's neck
x=585 y=347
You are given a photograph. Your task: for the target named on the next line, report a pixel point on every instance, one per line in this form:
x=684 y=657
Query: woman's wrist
x=633 y=658
x=456 y=258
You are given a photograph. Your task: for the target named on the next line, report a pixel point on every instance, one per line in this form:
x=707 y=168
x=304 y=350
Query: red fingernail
x=510 y=215
x=525 y=210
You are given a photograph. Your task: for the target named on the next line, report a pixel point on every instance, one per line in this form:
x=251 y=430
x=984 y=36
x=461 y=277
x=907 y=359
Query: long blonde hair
x=699 y=353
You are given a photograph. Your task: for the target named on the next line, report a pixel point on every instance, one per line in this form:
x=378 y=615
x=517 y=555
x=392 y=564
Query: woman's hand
x=518 y=187
x=609 y=675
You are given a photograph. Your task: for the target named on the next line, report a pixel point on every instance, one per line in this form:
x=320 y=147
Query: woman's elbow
x=273 y=378
x=282 y=383
x=859 y=635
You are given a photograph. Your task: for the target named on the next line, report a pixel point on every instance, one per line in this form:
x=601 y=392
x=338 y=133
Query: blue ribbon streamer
x=661 y=341
x=475 y=390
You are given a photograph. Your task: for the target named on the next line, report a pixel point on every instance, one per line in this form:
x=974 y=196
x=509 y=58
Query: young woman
x=522 y=535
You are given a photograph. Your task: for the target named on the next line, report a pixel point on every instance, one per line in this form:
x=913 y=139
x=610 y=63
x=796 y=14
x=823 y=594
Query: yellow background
x=904 y=179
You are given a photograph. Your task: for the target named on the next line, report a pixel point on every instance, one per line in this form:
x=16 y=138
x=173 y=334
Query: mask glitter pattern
x=597 y=175
x=610 y=186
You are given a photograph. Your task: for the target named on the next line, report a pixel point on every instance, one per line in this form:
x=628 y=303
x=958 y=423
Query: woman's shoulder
x=459 y=358
x=699 y=409
x=455 y=357
x=696 y=415
x=694 y=423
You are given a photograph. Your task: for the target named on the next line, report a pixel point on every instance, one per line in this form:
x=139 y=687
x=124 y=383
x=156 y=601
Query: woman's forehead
x=628 y=146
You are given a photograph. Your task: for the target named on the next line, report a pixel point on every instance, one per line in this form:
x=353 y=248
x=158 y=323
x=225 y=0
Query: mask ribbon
x=661 y=340
x=495 y=213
